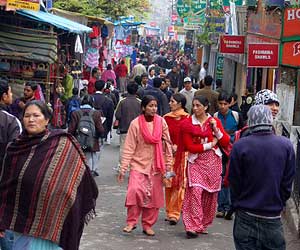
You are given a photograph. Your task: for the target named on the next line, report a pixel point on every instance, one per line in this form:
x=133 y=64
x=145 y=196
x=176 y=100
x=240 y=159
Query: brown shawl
x=46 y=189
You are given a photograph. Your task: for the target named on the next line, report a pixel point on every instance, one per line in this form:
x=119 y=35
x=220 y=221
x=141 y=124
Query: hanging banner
x=263 y=55
x=291 y=22
x=291 y=54
x=33 y=5
x=219 y=67
x=232 y=44
x=183 y=8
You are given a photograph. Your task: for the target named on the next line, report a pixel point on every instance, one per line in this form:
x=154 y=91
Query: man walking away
x=128 y=109
x=87 y=127
x=262 y=167
x=104 y=104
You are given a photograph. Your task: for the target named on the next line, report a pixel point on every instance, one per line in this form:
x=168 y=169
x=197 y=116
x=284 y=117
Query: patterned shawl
x=46 y=189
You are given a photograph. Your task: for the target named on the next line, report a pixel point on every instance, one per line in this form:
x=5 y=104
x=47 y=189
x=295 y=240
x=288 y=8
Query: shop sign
x=216 y=24
x=183 y=8
x=264 y=25
x=291 y=54
x=232 y=44
x=215 y=4
x=263 y=55
x=219 y=66
x=33 y=5
x=193 y=22
x=198 y=5
x=277 y=3
x=291 y=22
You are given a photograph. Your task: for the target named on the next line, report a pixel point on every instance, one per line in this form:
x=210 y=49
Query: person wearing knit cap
x=269 y=98
x=261 y=172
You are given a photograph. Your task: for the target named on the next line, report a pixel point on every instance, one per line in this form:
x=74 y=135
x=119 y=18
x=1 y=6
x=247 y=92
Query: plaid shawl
x=46 y=189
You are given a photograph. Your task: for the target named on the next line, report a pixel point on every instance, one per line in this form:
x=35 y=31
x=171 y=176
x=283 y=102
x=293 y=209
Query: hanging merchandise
x=104 y=31
x=96 y=32
x=92 y=57
x=78 y=45
x=119 y=33
x=38 y=94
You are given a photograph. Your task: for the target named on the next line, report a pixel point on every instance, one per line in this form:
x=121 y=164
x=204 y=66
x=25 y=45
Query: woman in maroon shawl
x=47 y=192
x=201 y=133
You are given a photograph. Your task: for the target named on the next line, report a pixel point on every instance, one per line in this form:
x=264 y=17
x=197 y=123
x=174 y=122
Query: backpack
x=73 y=105
x=86 y=131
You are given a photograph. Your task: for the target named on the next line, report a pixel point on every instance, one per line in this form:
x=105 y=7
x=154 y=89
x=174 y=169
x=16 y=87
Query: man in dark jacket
x=127 y=110
x=162 y=100
x=174 y=79
x=105 y=104
x=10 y=128
x=92 y=154
x=262 y=167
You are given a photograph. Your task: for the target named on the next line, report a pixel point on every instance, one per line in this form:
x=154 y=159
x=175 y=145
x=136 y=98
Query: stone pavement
x=105 y=231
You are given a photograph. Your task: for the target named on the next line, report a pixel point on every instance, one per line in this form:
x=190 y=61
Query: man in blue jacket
x=262 y=167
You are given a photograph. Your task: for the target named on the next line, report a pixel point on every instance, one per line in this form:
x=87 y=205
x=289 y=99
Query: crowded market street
x=105 y=231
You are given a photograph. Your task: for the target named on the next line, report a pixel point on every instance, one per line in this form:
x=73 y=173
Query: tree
x=105 y=8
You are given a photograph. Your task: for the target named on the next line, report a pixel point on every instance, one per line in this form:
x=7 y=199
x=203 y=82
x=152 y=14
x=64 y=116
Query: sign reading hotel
x=33 y=5
x=232 y=44
x=291 y=54
x=263 y=55
x=291 y=22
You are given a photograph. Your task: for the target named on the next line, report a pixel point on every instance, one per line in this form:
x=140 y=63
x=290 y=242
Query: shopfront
x=290 y=58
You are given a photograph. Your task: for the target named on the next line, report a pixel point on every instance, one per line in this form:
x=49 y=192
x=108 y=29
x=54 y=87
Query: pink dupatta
x=154 y=138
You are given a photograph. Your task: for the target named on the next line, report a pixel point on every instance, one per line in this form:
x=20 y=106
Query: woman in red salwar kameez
x=143 y=151
x=201 y=133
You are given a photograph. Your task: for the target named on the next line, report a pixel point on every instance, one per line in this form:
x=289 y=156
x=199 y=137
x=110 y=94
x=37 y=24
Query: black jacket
x=127 y=110
x=106 y=105
x=10 y=128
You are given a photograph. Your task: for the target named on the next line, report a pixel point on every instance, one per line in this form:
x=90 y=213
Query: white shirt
x=202 y=73
x=189 y=95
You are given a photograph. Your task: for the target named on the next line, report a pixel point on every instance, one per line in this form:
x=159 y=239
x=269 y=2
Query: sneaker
x=220 y=214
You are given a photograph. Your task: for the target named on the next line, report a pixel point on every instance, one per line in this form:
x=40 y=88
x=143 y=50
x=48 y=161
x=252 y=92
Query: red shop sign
x=263 y=55
x=232 y=44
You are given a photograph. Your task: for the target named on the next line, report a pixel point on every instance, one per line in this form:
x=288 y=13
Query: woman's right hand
x=214 y=142
x=120 y=178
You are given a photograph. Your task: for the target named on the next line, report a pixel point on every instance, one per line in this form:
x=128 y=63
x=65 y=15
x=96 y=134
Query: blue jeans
x=6 y=243
x=224 y=201
x=252 y=233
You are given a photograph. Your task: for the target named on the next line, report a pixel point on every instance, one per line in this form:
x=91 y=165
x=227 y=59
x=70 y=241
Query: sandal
x=129 y=229
x=149 y=232
x=172 y=221
x=191 y=234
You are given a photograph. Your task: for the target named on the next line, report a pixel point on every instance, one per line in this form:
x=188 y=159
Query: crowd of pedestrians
x=187 y=147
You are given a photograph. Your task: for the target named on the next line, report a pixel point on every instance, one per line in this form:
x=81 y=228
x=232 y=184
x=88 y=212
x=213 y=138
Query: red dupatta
x=154 y=138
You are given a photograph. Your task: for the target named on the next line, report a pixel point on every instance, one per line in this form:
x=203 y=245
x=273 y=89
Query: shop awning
x=57 y=21
x=78 y=16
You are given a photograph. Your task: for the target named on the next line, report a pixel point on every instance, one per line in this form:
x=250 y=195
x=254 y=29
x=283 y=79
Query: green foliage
x=105 y=8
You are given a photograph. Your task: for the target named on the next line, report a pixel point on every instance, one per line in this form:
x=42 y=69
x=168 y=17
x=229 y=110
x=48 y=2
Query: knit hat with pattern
x=265 y=97
x=260 y=115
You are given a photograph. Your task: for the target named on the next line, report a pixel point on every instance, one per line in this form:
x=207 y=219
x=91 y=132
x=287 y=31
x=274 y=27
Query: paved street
x=105 y=231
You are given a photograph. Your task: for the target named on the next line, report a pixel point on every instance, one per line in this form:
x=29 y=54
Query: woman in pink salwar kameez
x=201 y=134
x=109 y=74
x=143 y=152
